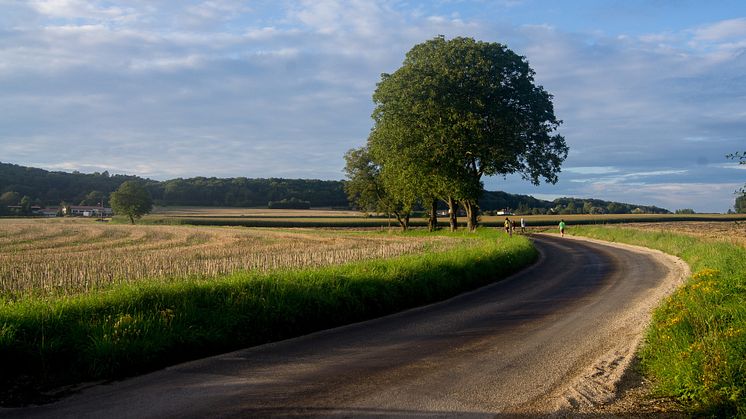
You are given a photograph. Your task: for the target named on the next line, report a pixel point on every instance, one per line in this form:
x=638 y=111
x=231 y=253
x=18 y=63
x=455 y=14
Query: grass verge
x=50 y=342
x=695 y=348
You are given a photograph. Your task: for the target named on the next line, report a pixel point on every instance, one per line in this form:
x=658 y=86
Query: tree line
x=25 y=186
x=50 y=188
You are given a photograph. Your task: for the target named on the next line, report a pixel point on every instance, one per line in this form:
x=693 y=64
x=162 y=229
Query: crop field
x=251 y=212
x=63 y=257
x=261 y=217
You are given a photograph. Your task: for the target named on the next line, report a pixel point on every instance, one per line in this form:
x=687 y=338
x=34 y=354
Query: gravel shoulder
x=613 y=386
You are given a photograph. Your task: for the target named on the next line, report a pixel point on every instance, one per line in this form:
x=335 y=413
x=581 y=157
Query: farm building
x=48 y=212
x=87 y=211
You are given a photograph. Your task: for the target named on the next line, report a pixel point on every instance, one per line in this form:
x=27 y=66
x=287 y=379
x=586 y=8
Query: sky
x=652 y=94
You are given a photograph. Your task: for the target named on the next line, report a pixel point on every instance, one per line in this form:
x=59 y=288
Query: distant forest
x=48 y=189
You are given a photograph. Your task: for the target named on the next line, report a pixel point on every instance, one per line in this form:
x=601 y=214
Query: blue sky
x=652 y=93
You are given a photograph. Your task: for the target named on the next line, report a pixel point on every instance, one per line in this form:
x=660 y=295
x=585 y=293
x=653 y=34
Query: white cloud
x=734 y=166
x=723 y=30
x=593 y=170
x=81 y=9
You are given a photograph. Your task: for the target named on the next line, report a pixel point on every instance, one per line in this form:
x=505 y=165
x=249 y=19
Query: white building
x=87 y=211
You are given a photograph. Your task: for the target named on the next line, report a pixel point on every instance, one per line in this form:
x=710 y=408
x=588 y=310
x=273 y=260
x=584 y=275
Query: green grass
x=131 y=329
x=696 y=345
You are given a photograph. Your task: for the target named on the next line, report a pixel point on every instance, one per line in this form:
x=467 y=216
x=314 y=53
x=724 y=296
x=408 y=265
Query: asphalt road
x=522 y=345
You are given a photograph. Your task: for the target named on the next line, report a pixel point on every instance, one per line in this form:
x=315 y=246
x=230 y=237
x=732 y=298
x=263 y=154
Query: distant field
x=68 y=256
x=251 y=212
x=258 y=217
x=541 y=220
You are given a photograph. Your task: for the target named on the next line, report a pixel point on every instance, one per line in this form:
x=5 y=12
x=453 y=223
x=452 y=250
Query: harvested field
x=63 y=257
x=251 y=212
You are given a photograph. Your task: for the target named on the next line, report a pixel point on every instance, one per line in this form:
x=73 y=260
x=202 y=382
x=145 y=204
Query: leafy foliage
x=373 y=191
x=132 y=200
x=457 y=110
x=292 y=203
x=740 y=205
x=51 y=188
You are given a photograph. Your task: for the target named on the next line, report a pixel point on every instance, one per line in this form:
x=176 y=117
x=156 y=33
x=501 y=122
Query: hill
x=50 y=188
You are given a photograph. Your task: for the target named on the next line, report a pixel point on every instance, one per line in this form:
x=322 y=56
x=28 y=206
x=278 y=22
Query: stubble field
x=63 y=257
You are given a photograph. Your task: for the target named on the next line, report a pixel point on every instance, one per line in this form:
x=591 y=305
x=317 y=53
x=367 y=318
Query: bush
x=292 y=203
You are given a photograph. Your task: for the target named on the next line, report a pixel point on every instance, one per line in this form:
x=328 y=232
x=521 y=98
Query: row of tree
x=455 y=111
x=45 y=188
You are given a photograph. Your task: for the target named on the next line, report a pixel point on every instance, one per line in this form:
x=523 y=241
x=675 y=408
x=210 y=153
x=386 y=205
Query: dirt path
x=553 y=338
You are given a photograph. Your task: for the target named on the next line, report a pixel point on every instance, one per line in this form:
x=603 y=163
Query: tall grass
x=696 y=345
x=137 y=327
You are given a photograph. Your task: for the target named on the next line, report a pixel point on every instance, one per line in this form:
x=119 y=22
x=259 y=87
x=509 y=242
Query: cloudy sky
x=652 y=93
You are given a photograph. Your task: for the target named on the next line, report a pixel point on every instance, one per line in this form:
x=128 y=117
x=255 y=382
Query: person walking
x=562 y=228
x=523 y=225
x=508 y=227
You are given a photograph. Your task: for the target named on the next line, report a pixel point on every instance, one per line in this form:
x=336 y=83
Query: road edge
x=598 y=388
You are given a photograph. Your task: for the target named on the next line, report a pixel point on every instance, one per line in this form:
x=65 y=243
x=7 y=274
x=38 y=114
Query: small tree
x=25 y=205
x=741 y=204
x=10 y=198
x=132 y=200
x=94 y=198
x=367 y=188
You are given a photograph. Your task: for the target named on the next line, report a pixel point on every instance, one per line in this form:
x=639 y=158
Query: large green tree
x=132 y=200
x=458 y=110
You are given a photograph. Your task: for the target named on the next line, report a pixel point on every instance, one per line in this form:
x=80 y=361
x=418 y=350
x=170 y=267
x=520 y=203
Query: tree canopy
x=132 y=200
x=740 y=205
x=458 y=110
x=51 y=188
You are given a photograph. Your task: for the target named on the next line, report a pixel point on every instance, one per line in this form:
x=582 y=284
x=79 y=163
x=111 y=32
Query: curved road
x=547 y=338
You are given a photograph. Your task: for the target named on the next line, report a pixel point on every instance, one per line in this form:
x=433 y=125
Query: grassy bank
x=137 y=327
x=696 y=346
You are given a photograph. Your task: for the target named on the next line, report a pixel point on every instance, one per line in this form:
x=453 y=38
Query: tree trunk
x=403 y=221
x=432 y=223
x=472 y=211
x=453 y=213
